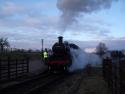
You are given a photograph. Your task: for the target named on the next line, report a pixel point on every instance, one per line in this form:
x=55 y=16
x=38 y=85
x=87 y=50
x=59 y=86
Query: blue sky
x=26 y=22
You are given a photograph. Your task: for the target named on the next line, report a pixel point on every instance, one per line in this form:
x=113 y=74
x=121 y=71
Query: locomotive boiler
x=61 y=57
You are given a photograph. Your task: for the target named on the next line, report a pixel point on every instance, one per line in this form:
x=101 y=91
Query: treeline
x=6 y=48
x=6 y=51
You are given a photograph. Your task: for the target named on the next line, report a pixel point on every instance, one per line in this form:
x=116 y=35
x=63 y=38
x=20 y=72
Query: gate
x=11 y=69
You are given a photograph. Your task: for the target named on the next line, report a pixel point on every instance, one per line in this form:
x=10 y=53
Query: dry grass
x=21 y=55
x=93 y=84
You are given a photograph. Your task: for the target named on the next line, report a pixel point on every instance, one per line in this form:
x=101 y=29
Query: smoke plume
x=80 y=59
x=71 y=9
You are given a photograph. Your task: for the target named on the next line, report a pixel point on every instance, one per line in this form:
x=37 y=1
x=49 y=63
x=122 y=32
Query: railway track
x=33 y=85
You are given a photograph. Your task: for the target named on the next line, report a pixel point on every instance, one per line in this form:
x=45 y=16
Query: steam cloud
x=71 y=9
x=80 y=59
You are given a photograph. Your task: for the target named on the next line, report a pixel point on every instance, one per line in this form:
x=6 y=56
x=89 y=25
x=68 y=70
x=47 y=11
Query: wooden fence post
x=22 y=73
x=16 y=68
x=118 y=76
x=8 y=68
x=0 y=70
x=113 y=78
x=27 y=61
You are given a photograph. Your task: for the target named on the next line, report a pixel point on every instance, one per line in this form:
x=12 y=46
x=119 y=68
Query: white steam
x=80 y=59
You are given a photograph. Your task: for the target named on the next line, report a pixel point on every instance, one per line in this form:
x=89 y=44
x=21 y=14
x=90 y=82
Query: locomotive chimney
x=60 y=38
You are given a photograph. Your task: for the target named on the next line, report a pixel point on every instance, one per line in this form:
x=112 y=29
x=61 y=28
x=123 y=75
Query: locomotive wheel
x=49 y=67
x=65 y=69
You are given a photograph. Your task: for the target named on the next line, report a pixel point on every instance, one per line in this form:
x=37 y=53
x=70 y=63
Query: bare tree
x=4 y=44
x=101 y=49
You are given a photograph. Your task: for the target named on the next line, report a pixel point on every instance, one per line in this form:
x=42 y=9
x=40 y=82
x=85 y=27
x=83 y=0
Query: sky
x=83 y=22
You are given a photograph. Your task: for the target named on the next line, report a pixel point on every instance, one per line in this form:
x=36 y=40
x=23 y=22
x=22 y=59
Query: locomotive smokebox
x=60 y=38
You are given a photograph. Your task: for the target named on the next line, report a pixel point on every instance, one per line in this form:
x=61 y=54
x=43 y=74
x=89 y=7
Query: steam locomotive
x=61 y=57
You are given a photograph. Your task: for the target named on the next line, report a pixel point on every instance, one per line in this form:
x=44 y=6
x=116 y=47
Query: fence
x=114 y=74
x=11 y=69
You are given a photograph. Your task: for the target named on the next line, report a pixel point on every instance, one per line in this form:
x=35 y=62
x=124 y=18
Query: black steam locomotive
x=61 y=57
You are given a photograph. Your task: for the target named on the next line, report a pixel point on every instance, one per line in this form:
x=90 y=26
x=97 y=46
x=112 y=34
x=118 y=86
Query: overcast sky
x=84 y=22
